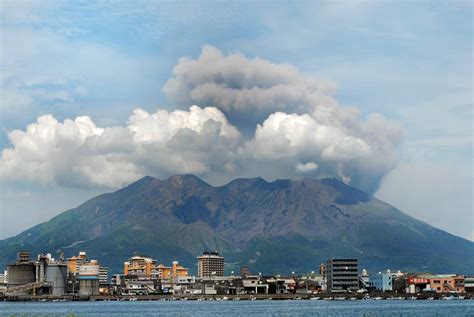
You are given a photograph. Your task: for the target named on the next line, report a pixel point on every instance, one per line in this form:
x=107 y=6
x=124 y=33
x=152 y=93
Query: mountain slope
x=278 y=226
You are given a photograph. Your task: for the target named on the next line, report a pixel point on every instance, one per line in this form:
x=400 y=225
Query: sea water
x=243 y=308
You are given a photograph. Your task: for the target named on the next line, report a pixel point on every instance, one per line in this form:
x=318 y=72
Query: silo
x=21 y=274
x=89 y=279
x=56 y=274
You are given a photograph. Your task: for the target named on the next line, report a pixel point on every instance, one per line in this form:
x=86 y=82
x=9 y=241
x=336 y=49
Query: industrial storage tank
x=56 y=274
x=89 y=279
x=21 y=274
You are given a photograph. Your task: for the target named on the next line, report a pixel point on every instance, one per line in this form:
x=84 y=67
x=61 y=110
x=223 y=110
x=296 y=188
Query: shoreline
x=195 y=297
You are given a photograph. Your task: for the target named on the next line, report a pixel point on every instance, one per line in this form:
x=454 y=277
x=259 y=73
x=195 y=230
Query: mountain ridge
x=252 y=222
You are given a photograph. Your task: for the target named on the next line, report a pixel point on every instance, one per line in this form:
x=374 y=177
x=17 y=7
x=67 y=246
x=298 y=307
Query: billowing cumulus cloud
x=299 y=143
x=78 y=153
x=303 y=132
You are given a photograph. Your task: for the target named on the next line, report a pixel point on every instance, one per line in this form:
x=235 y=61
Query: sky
x=96 y=94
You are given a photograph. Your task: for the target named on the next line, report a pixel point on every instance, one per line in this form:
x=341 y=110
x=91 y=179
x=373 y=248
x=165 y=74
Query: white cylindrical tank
x=89 y=279
x=88 y=271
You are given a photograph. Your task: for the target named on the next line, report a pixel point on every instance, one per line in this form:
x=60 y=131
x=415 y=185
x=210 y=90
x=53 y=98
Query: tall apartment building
x=210 y=264
x=342 y=275
x=103 y=275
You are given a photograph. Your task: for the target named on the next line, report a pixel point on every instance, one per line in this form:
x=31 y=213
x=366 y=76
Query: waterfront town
x=143 y=278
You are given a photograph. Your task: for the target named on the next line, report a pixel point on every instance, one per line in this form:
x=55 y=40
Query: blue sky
x=410 y=61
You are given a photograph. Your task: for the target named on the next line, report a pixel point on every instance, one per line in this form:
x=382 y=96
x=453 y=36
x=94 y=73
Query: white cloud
x=306 y=167
x=362 y=151
x=163 y=125
x=78 y=153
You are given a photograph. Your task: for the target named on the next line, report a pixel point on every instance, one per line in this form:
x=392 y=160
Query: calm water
x=241 y=308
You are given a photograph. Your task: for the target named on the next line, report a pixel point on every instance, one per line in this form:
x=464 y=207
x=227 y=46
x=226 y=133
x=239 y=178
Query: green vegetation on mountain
x=271 y=227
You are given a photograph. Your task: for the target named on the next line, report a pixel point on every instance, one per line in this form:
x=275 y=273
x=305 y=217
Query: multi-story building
x=364 y=279
x=322 y=269
x=161 y=272
x=446 y=283
x=469 y=284
x=177 y=270
x=342 y=275
x=210 y=264
x=147 y=268
x=244 y=272
x=3 y=278
x=382 y=281
x=103 y=275
x=74 y=262
x=140 y=266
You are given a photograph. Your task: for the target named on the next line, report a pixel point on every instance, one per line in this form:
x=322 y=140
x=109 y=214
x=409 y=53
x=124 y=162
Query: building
x=322 y=269
x=143 y=267
x=382 y=281
x=342 y=275
x=178 y=270
x=103 y=275
x=364 y=280
x=147 y=268
x=446 y=283
x=161 y=272
x=469 y=284
x=415 y=284
x=277 y=285
x=255 y=286
x=74 y=262
x=3 y=278
x=210 y=264
x=244 y=272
